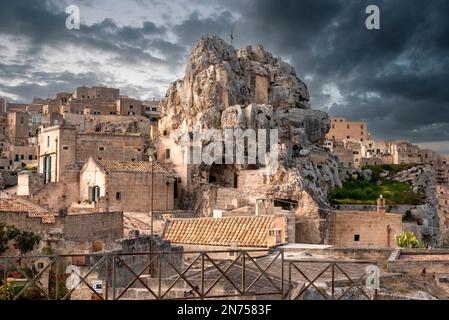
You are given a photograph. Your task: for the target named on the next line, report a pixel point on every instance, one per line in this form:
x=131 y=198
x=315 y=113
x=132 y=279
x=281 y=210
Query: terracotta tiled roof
x=137 y=166
x=18 y=205
x=13 y=205
x=240 y=231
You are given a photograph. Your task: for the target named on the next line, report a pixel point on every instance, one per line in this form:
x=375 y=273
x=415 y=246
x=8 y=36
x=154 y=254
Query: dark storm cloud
x=404 y=66
x=191 y=29
x=395 y=78
x=43 y=24
x=54 y=83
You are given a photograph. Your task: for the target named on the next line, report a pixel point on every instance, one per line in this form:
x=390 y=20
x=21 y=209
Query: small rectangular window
x=118 y=196
x=101 y=148
x=357 y=238
x=167 y=153
x=65 y=148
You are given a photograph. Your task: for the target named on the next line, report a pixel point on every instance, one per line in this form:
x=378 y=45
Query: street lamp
x=152 y=194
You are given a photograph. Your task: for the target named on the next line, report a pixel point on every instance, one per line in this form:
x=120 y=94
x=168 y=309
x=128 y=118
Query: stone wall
x=310 y=230
x=105 y=123
x=135 y=191
x=364 y=229
x=77 y=227
x=401 y=209
x=107 y=226
x=375 y=254
x=133 y=249
x=108 y=146
x=428 y=261
x=251 y=181
x=8 y=178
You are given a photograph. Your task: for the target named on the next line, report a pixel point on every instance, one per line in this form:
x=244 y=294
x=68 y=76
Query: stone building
x=15 y=107
x=374 y=229
x=345 y=137
x=81 y=227
x=62 y=153
x=128 y=106
x=86 y=93
x=127 y=186
x=404 y=152
x=151 y=109
x=2 y=105
x=92 y=101
x=108 y=123
x=62 y=147
x=341 y=129
x=23 y=153
x=17 y=127
x=351 y=142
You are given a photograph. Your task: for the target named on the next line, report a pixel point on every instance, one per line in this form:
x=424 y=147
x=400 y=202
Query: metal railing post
x=244 y=273
x=5 y=271
x=202 y=275
x=290 y=280
x=282 y=274
x=113 y=277
x=57 y=267
x=159 y=289
x=106 y=285
x=333 y=281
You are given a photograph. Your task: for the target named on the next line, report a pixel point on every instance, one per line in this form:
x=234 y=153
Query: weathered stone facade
x=127 y=186
x=365 y=228
x=225 y=88
x=107 y=226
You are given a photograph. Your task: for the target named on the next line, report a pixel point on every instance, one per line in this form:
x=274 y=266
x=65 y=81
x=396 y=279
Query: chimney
x=381 y=208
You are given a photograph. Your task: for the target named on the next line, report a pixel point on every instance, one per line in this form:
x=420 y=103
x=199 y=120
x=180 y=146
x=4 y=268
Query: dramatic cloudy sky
x=396 y=78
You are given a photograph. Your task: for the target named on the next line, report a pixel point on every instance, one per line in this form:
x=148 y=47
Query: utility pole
x=231 y=35
x=152 y=195
x=151 y=269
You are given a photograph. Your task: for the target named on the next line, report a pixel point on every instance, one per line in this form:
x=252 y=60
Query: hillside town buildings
x=20 y=124
x=81 y=168
x=353 y=144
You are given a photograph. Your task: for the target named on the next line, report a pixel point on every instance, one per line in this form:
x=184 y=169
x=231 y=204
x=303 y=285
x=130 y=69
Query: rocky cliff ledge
x=249 y=88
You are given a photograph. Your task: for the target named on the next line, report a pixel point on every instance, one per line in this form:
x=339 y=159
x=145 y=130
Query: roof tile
x=241 y=231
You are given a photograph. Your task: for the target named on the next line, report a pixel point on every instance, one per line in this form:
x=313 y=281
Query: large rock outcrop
x=225 y=88
x=422 y=179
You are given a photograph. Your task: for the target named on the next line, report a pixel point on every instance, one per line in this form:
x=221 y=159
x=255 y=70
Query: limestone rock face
x=219 y=76
x=225 y=88
x=422 y=179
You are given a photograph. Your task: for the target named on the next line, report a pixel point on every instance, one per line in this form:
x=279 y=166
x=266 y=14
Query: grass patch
x=362 y=191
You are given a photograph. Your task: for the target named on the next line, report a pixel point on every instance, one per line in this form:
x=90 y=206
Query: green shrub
x=29 y=168
x=25 y=240
x=6 y=292
x=362 y=191
x=408 y=240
